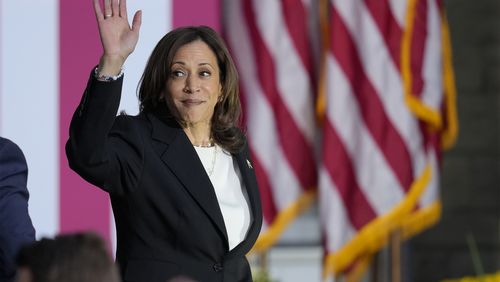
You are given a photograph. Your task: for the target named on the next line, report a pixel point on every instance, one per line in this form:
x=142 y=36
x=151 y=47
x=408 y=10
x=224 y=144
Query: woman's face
x=194 y=83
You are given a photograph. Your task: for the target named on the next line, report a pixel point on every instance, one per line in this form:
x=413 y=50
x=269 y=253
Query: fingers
x=136 y=22
x=115 y=7
x=123 y=9
x=108 y=12
x=97 y=10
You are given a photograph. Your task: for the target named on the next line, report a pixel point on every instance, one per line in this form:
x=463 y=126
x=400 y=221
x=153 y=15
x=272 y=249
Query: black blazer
x=16 y=228
x=167 y=217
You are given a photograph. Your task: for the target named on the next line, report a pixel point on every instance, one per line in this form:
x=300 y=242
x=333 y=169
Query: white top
x=231 y=192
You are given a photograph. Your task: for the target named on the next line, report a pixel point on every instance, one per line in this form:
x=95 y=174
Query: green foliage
x=262 y=276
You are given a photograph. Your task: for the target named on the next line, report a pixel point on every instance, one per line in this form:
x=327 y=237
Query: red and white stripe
x=374 y=148
x=47 y=49
x=269 y=41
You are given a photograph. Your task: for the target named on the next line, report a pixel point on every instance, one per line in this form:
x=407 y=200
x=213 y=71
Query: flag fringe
x=432 y=116
x=421 y=220
x=450 y=133
x=413 y=224
x=375 y=234
x=425 y=112
x=283 y=219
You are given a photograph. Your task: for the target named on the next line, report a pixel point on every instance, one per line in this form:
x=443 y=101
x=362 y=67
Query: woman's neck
x=199 y=135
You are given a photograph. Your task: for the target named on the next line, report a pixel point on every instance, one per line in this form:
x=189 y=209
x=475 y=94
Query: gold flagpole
x=396 y=255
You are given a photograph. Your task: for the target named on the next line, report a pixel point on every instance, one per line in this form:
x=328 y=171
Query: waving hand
x=117 y=37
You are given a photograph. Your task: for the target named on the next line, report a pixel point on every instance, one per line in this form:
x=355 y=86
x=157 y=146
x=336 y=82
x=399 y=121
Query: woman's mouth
x=192 y=102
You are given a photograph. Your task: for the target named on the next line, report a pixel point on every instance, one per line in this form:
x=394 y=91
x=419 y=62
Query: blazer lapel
x=248 y=178
x=180 y=156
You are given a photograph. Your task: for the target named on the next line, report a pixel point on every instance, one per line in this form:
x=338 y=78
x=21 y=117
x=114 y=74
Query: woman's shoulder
x=147 y=124
x=124 y=118
x=134 y=123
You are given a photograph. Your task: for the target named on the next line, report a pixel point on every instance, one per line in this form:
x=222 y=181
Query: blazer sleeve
x=104 y=149
x=16 y=228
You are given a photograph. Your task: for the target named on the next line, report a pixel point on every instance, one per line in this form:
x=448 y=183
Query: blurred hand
x=117 y=37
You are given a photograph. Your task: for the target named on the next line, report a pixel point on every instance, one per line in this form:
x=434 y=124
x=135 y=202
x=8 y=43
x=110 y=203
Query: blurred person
x=15 y=223
x=79 y=257
x=179 y=175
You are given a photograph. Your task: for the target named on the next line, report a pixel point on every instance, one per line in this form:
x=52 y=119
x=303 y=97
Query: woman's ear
x=221 y=93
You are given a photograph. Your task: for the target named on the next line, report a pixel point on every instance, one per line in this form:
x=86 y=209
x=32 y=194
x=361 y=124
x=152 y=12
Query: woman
x=179 y=175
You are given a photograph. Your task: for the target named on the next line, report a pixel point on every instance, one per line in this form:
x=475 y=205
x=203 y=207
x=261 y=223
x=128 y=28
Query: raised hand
x=117 y=37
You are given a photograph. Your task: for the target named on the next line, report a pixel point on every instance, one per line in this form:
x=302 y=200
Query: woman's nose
x=192 y=85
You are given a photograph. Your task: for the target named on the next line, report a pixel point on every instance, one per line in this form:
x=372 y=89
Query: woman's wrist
x=107 y=78
x=110 y=65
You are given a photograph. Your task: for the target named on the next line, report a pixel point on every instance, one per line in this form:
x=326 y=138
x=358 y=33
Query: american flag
x=271 y=44
x=388 y=112
x=47 y=49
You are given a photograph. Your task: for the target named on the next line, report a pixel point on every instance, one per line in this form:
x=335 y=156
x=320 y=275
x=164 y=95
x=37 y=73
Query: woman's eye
x=205 y=73
x=177 y=73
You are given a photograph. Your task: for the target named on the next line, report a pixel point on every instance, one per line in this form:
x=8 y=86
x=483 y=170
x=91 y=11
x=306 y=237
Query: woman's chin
x=194 y=120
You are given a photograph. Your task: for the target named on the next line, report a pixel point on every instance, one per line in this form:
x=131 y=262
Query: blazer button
x=218 y=267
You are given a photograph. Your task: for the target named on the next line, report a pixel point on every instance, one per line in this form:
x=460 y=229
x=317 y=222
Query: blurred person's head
x=80 y=257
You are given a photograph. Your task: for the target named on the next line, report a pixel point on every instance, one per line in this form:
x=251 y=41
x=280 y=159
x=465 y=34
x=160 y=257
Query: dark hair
x=80 y=257
x=226 y=118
